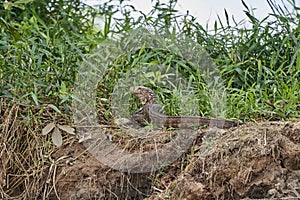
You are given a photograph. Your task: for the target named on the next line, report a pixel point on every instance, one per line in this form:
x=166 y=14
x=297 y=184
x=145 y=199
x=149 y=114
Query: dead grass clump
x=32 y=167
x=24 y=152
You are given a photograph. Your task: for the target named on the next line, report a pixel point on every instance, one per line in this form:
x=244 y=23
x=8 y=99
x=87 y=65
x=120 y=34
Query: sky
x=206 y=11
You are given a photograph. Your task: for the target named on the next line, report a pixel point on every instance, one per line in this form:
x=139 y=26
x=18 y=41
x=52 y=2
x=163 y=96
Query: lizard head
x=144 y=94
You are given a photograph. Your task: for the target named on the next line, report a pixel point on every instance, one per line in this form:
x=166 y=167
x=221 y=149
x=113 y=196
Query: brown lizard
x=151 y=112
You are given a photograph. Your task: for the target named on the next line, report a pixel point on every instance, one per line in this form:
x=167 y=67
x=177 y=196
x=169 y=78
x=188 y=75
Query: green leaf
x=35 y=98
x=7 y=5
x=14 y=32
x=18 y=4
x=54 y=108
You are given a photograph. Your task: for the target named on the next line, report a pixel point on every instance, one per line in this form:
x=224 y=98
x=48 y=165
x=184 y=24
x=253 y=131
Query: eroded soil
x=254 y=161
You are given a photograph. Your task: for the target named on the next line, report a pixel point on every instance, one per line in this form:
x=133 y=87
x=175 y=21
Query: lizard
x=151 y=112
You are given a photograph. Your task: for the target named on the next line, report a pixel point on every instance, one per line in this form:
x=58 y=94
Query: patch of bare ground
x=85 y=178
x=253 y=161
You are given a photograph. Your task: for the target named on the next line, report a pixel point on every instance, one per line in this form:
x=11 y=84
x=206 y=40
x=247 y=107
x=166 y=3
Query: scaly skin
x=144 y=94
x=151 y=113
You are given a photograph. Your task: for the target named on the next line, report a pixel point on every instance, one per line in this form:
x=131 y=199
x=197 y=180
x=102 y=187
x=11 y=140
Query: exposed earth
x=254 y=161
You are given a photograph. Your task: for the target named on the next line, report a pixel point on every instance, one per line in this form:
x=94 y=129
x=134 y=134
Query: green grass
x=43 y=46
x=42 y=49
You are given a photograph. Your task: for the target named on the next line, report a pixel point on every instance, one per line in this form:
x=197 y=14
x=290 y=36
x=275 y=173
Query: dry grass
x=27 y=170
x=256 y=160
x=33 y=168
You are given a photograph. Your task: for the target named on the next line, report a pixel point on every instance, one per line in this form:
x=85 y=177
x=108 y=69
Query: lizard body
x=151 y=112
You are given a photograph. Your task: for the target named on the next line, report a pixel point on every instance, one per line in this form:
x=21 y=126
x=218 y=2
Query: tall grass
x=43 y=44
x=42 y=49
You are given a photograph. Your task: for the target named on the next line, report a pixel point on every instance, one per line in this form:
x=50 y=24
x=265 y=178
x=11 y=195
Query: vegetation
x=43 y=46
x=44 y=43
